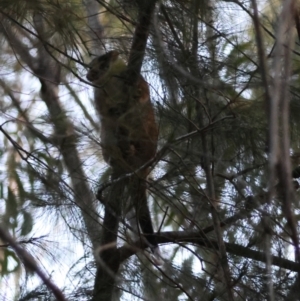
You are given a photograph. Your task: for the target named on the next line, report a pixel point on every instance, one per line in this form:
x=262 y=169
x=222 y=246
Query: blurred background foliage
x=202 y=66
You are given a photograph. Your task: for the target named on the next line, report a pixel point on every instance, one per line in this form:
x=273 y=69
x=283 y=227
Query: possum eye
x=115 y=112
x=103 y=64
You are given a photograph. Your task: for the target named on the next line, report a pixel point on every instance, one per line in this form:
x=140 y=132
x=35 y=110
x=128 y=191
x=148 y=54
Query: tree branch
x=137 y=52
x=199 y=239
x=31 y=264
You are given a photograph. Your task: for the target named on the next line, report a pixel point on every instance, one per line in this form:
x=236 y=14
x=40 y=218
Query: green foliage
x=9 y=259
x=27 y=223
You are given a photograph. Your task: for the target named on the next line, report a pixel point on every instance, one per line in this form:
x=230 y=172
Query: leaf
x=1 y=190
x=27 y=223
x=6 y=263
x=11 y=207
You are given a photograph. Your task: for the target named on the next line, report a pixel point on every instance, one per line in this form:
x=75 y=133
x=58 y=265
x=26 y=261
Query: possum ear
x=114 y=54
